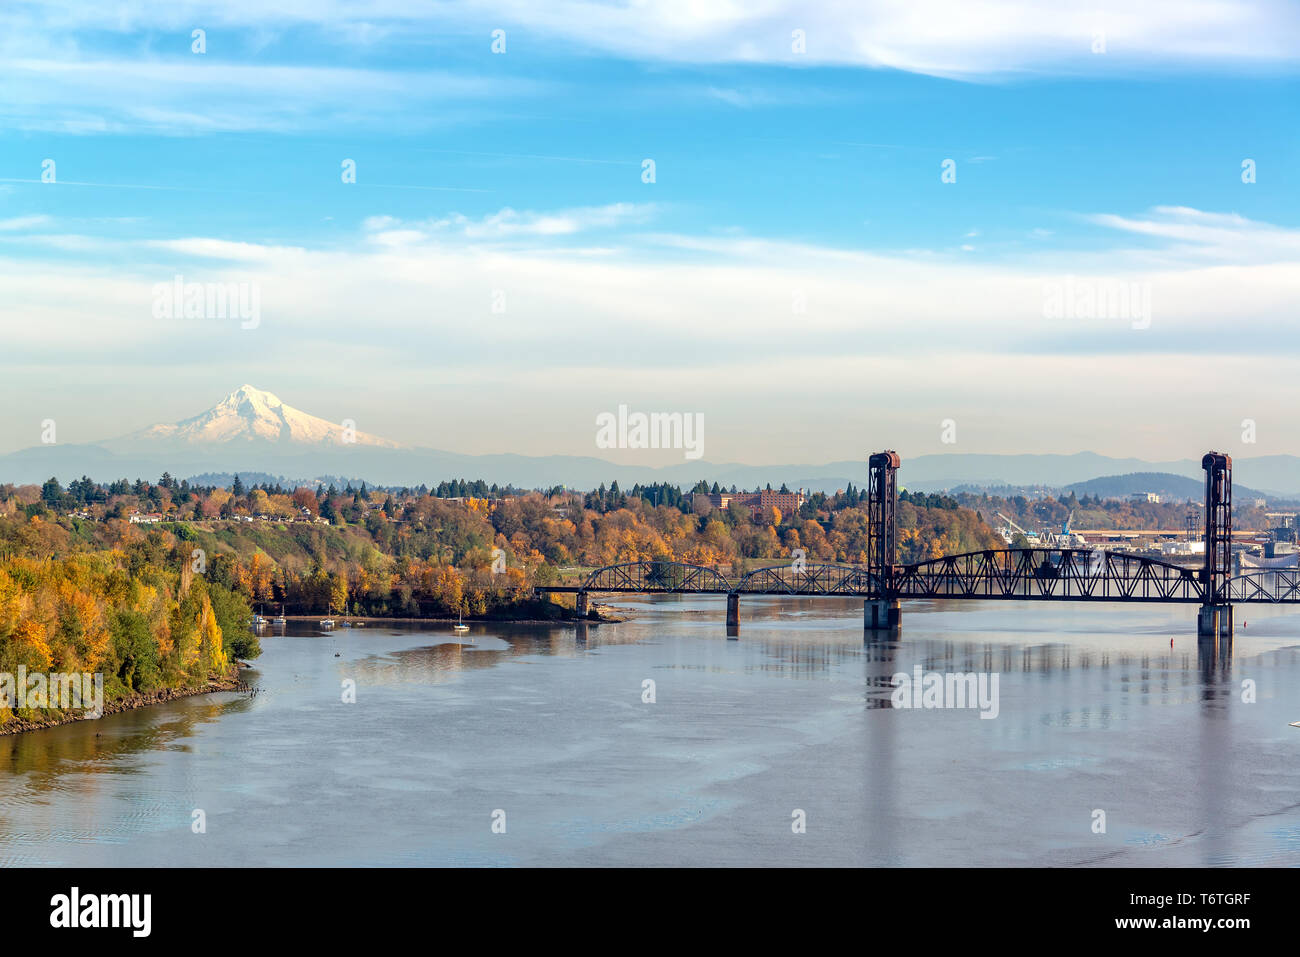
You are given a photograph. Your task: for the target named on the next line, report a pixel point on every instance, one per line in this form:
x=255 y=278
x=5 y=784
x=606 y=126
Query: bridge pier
x=1214 y=621
x=881 y=614
x=1214 y=656
x=733 y=614
x=580 y=604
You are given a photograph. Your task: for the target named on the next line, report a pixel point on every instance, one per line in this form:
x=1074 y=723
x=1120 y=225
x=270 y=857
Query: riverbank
x=229 y=682
x=603 y=615
x=526 y=613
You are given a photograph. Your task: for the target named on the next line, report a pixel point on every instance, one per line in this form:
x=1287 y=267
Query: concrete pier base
x=580 y=604
x=733 y=615
x=1214 y=621
x=1207 y=622
x=880 y=614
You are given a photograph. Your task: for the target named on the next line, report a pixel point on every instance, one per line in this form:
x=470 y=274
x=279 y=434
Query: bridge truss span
x=1275 y=586
x=1042 y=574
x=657 y=577
x=1048 y=575
x=792 y=579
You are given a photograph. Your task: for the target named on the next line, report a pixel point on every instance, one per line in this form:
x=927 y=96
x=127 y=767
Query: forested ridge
x=411 y=552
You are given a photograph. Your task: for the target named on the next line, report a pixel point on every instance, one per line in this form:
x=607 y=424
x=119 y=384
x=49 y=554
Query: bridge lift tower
x=1215 y=618
x=882 y=612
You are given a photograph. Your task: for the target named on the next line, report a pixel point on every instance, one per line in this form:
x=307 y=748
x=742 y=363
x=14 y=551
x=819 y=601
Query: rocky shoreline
x=230 y=682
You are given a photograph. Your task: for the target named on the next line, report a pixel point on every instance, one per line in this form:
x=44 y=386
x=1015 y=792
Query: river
x=531 y=745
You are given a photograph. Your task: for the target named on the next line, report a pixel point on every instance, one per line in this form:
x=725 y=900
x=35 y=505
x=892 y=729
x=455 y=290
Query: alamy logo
x=179 y=299
x=935 y=690
x=1100 y=299
x=63 y=690
x=656 y=430
x=103 y=910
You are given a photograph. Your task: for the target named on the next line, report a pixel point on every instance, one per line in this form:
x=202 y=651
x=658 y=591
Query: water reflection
x=95 y=746
x=1214 y=746
x=1098 y=710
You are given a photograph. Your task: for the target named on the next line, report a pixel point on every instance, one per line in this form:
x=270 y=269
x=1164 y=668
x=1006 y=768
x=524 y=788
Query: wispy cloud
x=23 y=223
x=198 y=95
x=726 y=292
x=953 y=38
x=1223 y=237
x=510 y=223
x=966 y=39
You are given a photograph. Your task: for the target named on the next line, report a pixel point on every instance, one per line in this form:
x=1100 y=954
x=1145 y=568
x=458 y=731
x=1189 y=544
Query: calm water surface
x=1097 y=711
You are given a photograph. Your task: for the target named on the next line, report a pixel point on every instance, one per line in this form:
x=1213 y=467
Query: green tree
x=136 y=651
x=51 y=492
x=233 y=613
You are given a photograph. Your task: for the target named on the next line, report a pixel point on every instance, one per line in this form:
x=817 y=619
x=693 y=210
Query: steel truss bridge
x=1028 y=574
x=1032 y=574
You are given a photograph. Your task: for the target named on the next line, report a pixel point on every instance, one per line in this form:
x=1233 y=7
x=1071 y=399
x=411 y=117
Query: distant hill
x=1168 y=486
x=226 y=479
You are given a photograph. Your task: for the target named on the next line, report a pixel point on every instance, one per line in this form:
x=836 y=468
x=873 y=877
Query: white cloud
x=508 y=223
x=224 y=249
x=197 y=95
x=1224 y=237
x=957 y=38
x=731 y=293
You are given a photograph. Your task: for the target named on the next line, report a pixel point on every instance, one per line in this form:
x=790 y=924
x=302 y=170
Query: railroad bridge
x=1011 y=574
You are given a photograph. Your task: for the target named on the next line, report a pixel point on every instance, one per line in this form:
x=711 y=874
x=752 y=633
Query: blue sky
x=780 y=177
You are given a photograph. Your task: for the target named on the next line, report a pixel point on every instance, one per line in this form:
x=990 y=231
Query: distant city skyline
x=1114 y=267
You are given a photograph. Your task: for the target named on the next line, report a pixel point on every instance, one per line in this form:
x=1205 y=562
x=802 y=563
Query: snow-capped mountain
x=250 y=415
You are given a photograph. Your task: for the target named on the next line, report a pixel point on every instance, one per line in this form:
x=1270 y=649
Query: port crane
x=1032 y=537
x=1067 y=538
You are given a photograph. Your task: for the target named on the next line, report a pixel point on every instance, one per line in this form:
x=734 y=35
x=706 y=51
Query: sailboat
x=460 y=627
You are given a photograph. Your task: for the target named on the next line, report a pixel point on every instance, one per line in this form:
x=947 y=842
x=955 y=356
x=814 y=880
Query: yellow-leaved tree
x=212 y=655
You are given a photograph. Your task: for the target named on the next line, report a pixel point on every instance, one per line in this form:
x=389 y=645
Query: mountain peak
x=249 y=397
x=249 y=415
x=252 y=392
